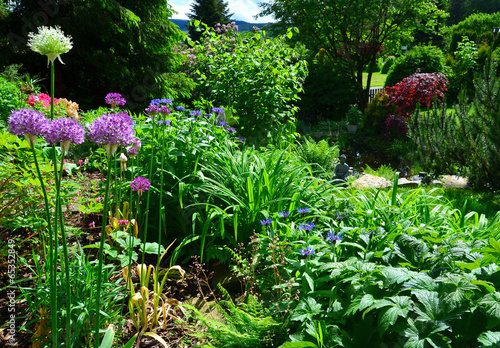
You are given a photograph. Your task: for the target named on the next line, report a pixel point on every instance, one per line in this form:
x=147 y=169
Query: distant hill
x=242 y=25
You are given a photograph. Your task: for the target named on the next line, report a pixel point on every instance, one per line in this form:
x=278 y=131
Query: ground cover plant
x=315 y=265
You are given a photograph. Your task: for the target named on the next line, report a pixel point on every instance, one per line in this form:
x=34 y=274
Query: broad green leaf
x=491 y=303
x=429 y=305
x=489 y=339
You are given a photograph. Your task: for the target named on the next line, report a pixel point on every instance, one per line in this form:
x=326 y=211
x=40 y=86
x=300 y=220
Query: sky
x=243 y=10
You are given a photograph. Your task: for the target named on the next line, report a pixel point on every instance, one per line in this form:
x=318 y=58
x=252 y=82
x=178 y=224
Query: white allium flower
x=51 y=42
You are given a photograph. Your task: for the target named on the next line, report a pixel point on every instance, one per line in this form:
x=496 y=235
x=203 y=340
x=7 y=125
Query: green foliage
x=244 y=325
x=255 y=77
x=466 y=138
x=352 y=33
x=429 y=59
x=320 y=155
x=376 y=113
x=322 y=99
x=389 y=61
x=384 y=171
x=210 y=12
x=11 y=98
x=130 y=50
x=473 y=26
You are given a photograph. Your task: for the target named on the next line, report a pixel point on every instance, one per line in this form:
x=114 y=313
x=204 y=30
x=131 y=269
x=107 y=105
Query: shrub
x=10 y=99
x=467 y=138
x=256 y=77
x=376 y=113
x=388 y=64
x=428 y=59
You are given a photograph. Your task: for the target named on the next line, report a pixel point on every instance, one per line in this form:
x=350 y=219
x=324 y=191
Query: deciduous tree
x=354 y=32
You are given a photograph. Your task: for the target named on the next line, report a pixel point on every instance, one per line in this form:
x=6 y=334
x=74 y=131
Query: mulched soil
x=194 y=285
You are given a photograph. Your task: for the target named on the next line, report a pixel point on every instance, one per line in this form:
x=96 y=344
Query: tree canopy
x=123 y=46
x=354 y=32
x=209 y=12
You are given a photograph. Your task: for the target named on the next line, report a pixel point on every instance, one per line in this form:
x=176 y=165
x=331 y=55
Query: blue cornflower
x=339 y=217
x=180 y=108
x=218 y=110
x=303 y=210
x=208 y=116
x=195 y=113
x=240 y=139
x=332 y=237
x=284 y=214
x=306 y=251
x=308 y=226
x=167 y=122
x=222 y=123
x=160 y=101
x=231 y=129
x=266 y=222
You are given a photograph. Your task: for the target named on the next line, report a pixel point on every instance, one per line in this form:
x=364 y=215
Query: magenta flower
x=29 y=123
x=65 y=131
x=140 y=184
x=114 y=99
x=136 y=143
x=152 y=109
x=111 y=130
x=132 y=152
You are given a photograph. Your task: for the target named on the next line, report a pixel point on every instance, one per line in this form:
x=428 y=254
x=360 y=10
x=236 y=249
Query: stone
x=407 y=183
x=369 y=180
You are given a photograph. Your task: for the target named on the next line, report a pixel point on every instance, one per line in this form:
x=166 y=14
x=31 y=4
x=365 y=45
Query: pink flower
x=92 y=224
x=80 y=162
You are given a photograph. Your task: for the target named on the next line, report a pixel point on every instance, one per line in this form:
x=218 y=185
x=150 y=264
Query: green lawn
x=378 y=79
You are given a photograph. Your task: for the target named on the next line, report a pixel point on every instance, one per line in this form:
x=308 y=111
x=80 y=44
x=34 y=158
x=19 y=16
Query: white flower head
x=51 y=42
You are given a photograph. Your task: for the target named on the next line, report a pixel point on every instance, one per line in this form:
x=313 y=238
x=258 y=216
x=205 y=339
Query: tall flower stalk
x=110 y=131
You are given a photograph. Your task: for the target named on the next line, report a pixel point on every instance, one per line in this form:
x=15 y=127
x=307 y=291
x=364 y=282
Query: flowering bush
x=257 y=77
x=41 y=99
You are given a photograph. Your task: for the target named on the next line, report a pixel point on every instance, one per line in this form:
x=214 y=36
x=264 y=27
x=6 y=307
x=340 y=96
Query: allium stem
x=51 y=261
x=144 y=235
x=52 y=88
x=65 y=252
x=101 y=247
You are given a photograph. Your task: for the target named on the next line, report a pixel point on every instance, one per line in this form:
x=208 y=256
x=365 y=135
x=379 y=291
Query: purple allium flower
x=165 y=110
x=303 y=210
x=29 y=123
x=126 y=117
x=217 y=110
x=111 y=130
x=266 y=222
x=196 y=113
x=180 y=108
x=306 y=251
x=65 y=131
x=132 y=152
x=114 y=99
x=152 y=109
x=284 y=214
x=140 y=184
x=222 y=123
x=136 y=143
x=308 y=226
